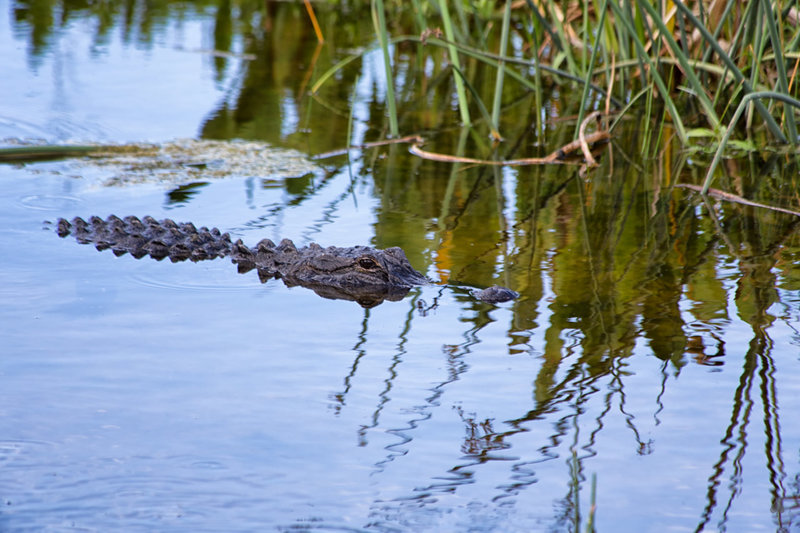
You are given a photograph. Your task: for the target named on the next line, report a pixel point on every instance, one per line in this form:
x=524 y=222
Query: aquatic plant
x=693 y=63
x=688 y=70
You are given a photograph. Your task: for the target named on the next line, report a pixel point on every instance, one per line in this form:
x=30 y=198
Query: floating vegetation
x=173 y=163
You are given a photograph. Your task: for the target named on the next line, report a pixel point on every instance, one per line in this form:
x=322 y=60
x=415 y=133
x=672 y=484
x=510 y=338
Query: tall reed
x=698 y=61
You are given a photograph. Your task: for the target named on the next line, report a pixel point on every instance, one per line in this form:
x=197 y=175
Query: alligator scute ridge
x=358 y=273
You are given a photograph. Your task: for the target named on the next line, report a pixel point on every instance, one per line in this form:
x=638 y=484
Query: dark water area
x=653 y=352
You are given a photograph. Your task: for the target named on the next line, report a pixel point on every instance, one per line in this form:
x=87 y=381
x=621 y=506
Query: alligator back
x=148 y=237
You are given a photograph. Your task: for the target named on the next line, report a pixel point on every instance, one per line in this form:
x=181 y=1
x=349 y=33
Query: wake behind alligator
x=357 y=273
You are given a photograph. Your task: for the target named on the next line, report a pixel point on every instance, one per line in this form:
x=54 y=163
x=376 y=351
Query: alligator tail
x=148 y=237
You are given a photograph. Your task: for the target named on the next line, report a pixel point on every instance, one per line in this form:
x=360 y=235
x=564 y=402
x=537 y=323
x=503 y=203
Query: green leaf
x=698 y=133
x=747 y=146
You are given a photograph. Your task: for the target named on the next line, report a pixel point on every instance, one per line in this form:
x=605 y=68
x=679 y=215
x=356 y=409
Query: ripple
x=49 y=202
x=185 y=285
x=208 y=465
x=11 y=450
x=140 y=494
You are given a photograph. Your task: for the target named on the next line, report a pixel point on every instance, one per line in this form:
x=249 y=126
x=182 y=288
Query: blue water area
x=647 y=379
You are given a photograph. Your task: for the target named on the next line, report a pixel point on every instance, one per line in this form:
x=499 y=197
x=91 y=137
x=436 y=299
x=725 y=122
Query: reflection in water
x=755 y=295
x=617 y=260
x=184 y=193
x=637 y=297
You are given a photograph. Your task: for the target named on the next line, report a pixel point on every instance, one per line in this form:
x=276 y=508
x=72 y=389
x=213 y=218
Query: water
x=654 y=348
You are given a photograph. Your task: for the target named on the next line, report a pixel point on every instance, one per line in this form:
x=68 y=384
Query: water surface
x=654 y=348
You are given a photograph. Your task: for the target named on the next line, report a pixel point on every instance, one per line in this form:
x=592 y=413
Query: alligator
x=357 y=273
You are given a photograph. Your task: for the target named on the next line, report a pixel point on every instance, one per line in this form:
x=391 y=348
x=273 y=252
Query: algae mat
x=172 y=163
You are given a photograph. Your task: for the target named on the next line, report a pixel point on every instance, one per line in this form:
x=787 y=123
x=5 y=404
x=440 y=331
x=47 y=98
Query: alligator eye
x=368 y=263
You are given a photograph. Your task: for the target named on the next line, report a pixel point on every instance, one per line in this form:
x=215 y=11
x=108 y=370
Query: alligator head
x=359 y=273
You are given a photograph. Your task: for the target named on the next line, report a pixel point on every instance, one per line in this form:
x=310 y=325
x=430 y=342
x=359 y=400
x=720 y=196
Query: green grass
x=688 y=69
x=701 y=64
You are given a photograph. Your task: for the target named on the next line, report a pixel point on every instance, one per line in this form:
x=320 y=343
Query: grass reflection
x=602 y=264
